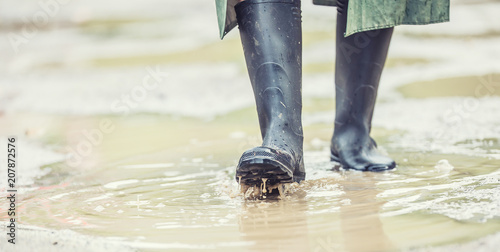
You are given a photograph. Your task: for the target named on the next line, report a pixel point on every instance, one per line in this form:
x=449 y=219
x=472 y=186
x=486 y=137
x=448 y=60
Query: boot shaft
x=359 y=62
x=271 y=35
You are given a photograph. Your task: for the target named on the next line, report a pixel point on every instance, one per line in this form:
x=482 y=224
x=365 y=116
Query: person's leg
x=271 y=35
x=359 y=62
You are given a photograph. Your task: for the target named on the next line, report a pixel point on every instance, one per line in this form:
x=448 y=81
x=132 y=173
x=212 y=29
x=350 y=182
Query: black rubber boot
x=360 y=59
x=271 y=35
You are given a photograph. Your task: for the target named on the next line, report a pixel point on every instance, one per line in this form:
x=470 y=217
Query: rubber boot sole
x=263 y=162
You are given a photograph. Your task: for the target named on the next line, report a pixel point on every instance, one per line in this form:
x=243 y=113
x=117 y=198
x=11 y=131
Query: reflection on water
x=275 y=226
x=360 y=219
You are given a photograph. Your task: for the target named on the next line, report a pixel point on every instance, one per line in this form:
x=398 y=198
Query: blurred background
x=128 y=109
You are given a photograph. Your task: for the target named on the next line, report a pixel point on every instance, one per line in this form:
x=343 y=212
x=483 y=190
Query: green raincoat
x=362 y=15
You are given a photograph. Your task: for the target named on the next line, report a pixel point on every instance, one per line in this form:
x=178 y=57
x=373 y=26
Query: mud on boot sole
x=262 y=162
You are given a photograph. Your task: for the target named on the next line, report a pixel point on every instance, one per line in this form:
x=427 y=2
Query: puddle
x=191 y=200
x=471 y=86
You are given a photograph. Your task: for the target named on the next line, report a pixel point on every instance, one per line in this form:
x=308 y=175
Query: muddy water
x=175 y=194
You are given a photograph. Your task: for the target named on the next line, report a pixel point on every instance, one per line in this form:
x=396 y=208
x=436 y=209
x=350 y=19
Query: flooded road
x=157 y=172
